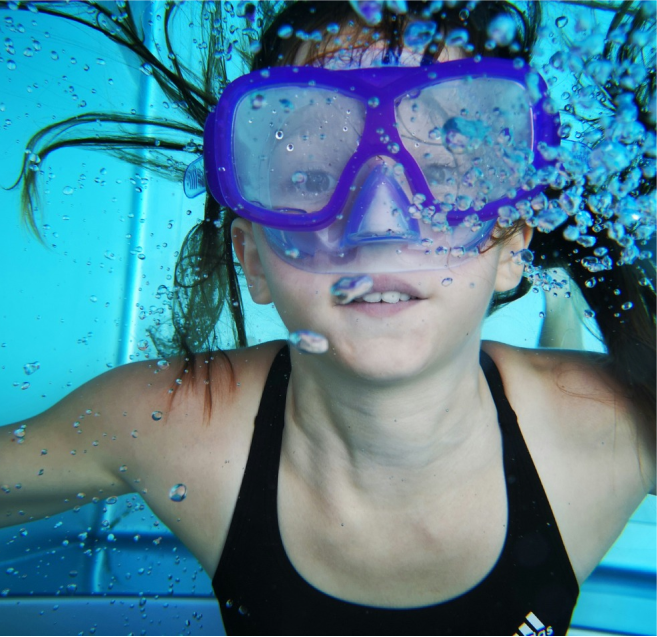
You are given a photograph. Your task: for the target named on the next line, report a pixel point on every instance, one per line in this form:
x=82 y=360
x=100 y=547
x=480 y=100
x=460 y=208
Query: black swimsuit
x=531 y=589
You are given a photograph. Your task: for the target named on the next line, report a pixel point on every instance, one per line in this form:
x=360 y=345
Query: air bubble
x=156 y=415
x=561 y=21
x=257 y=102
x=446 y=282
x=299 y=177
x=67 y=190
x=523 y=257
x=370 y=12
x=163 y=364
x=373 y=102
x=308 y=342
x=178 y=492
x=30 y=368
x=458 y=37
x=279 y=134
x=502 y=30
x=419 y=34
x=347 y=289
x=285 y=31
x=142 y=345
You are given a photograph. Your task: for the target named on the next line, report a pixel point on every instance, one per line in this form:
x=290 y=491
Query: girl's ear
x=509 y=273
x=248 y=255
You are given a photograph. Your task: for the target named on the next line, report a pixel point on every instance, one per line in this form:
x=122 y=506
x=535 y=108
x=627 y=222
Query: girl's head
x=410 y=40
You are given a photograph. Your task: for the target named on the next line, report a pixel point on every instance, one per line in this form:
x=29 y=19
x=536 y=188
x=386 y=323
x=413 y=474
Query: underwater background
x=86 y=299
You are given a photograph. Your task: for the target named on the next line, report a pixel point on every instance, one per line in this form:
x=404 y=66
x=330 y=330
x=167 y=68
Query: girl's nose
x=380 y=211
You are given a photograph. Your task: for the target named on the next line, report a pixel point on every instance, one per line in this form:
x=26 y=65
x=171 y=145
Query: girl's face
x=384 y=341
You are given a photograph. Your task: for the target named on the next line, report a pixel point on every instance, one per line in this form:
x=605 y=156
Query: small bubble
x=11 y=65
x=30 y=368
x=290 y=147
x=71 y=588
x=163 y=364
x=285 y=31
x=178 y=492
x=25 y=385
x=627 y=306
x=134 y=433
x=308 y=342
x=67 y=190
x=287 y=105
x=156 y=415
x=299 y=177
x=502 y=30
x=112 y=500
x=123 y=468
x=446 y=281
x=373 y=102
x=257 y=102
x=458 y=37
x=44 y=452
x=589 y=314
x=93 y=298
x=142 y=345
x=561 y=21
x=523 y=257
x=279 y=134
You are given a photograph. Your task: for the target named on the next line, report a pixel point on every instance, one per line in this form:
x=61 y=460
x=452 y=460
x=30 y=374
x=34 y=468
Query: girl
x=384 y=175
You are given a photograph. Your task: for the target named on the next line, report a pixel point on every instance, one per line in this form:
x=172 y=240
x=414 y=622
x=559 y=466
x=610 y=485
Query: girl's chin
x=385 y=359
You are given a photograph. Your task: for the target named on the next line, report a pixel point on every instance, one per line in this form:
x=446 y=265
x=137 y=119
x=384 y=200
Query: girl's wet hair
x=207 y=276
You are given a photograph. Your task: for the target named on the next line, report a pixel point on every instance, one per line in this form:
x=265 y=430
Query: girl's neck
x=368 y=431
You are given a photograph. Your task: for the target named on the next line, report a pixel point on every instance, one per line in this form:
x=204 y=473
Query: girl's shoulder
x=567 y=401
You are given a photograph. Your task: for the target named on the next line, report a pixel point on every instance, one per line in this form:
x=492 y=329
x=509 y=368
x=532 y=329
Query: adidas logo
x=533 y=626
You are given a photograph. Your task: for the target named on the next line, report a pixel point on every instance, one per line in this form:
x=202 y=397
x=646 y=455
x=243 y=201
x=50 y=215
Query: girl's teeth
x=390 y=297
x=386 y=297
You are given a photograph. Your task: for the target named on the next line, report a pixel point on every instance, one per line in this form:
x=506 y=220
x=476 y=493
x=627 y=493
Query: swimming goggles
x=378 y=169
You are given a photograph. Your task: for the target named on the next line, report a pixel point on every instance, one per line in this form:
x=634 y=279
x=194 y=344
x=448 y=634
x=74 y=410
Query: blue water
x=83 y=303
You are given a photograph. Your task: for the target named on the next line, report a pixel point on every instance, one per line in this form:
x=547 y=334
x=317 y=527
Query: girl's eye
x=313 y=182
x=438 y=175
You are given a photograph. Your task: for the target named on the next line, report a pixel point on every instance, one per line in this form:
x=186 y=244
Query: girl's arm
x=83 y=448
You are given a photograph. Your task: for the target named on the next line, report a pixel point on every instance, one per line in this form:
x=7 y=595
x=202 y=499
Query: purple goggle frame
x=387 y=84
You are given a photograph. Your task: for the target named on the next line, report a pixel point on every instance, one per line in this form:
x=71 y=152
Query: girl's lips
x=387 y=283
x=381 y=309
